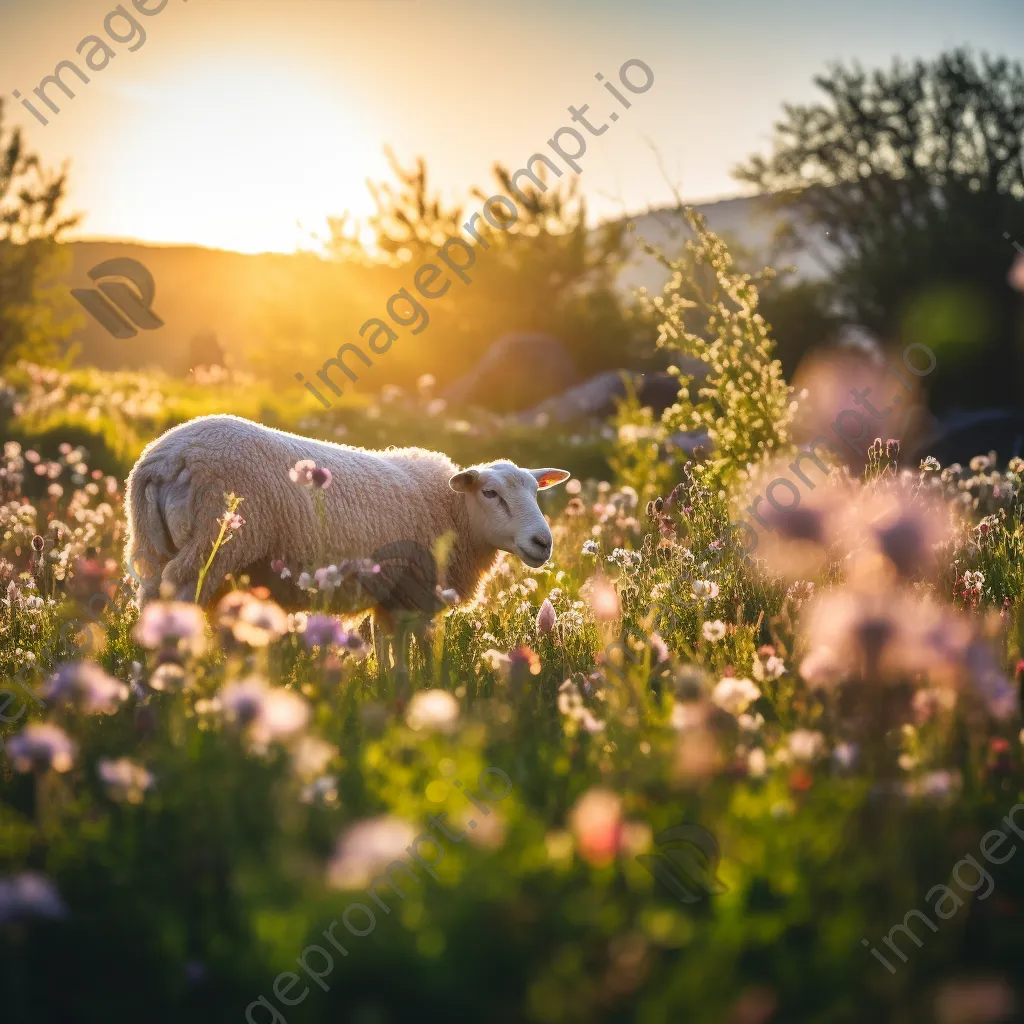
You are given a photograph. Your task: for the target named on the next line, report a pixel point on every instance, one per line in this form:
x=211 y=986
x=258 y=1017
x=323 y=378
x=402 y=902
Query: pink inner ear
x=550 y=478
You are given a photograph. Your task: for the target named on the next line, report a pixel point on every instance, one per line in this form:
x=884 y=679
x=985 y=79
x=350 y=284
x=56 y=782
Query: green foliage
x=910 y=180
x=709 y=311
x=34 y=310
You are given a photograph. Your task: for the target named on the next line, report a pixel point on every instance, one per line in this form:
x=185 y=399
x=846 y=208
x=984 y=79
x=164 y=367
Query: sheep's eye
x=488 y=493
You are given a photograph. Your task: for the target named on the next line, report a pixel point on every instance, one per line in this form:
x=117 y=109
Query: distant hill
x=746 y=223
x=202 y=290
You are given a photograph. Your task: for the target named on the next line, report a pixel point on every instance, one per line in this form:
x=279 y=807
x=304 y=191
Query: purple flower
x=323 y=630
x=29 y=895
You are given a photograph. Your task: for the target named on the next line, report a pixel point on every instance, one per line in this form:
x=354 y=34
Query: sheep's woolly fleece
x=175 y=493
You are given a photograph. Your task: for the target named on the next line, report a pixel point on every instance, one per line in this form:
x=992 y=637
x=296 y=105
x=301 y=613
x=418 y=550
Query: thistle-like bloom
x=172 y=623
x=432 y=711
x=269 y=714
x=324 y=631
x=40 y=747
x=124 y=779
x=86 y=684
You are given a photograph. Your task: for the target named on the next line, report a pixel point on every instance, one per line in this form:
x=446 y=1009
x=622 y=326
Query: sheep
x=378 y=503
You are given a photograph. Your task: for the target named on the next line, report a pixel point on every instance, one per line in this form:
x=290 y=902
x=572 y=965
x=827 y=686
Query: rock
x=514 y=373
x=960 y=437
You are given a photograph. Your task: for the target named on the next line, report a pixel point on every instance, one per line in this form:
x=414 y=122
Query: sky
x=243 y=124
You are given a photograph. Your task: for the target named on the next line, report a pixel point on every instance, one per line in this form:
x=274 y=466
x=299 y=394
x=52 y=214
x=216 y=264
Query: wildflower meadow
x=697 y=766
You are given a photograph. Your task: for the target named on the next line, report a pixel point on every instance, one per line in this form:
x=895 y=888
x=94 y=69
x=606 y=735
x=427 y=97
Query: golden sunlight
x=236 y=157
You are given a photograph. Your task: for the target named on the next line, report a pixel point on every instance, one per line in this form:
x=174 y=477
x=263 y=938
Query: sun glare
x=239 y=158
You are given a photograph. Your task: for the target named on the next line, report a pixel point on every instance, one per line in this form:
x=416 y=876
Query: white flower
x=805 y=744
x=41 y=746
x=589 y=547
x=432 y=710
x=757 y=762
x=124 y=779
x=705 y=590
x=713 y=631
x=367 y=848
x=312 y=756
x=734 y=695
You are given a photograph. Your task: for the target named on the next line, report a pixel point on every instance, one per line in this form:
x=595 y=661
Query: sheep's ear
x=550 y=477
x=467 y=480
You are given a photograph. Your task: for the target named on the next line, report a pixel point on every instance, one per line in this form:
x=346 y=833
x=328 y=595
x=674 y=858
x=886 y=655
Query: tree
x=33 y=320
x=908 y=182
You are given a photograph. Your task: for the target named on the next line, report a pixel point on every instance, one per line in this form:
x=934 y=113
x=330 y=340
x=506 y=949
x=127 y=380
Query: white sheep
x=396 y=501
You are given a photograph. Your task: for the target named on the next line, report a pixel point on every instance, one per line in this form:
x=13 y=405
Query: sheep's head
x=501 y=500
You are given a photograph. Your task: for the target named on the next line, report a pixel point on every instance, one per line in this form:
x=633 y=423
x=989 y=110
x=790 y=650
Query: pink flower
x=546 y=617
x=596 y=821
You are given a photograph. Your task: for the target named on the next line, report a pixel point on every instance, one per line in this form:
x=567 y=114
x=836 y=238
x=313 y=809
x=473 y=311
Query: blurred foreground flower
x=250 y=620
x=40 y=747
x=124 y=779
x=734 y=695
x=29 y=895
x=269 y=714
x=172 y=624
x=975 y=1001
x=432 y=711
x=86 y=685
x=596 y=822
x=367 y=848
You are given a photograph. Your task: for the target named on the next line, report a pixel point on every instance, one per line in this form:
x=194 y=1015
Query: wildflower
x=328 y=578
x=573 y=487
x=596 y=822
x=41 y=746
x=713 y=631
x=975 y=1001
x=704 y=590
x=496 y=661
x=930 y=464
x=29 y=895
x=323 y=790
x=37 y=543
x=321 y=478
x=305 y=581
x=590 y=547
x=757 y=763
x=524 y=659
x=124 y=779
x=979 y=463
x=322 y=631
x=432 y=711
x=88 y=686
x=312 y=756
x=270 y=714
x=302 y=472
x=734 y=695
x=250 y=620
x=805 y=744
x=603 y=599
x=570 y=704
x=168 y=678
x=546 y=617
x=367 y=848
x=231 y=521
x=174 y=623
